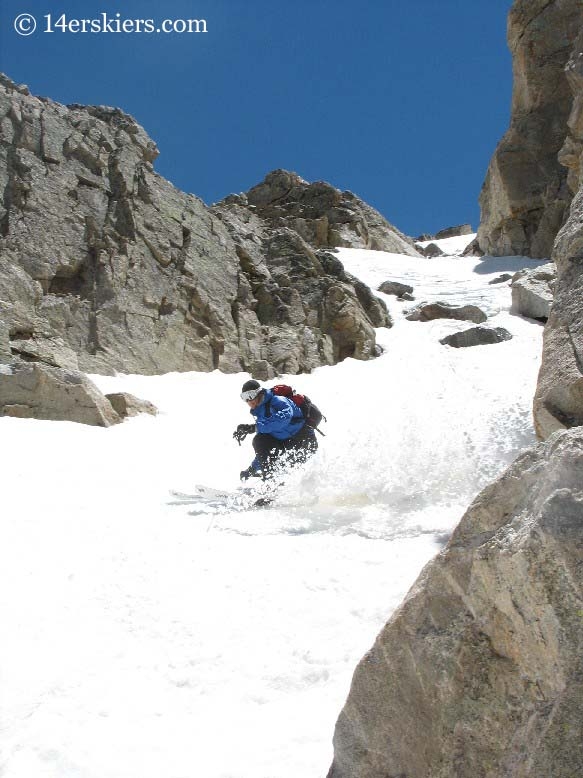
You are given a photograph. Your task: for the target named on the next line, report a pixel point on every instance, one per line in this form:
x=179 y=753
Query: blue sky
x=403 y=103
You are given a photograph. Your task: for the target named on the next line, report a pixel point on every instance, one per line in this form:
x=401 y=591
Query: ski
x=208 y=500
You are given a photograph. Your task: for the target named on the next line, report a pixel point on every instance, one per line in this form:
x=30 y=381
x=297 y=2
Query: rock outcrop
x=431 y=251
x=501 y=279
x=559 y=395
x=476 y=336
x=478 y=674
x=558 y=400
x=310 y=309
x=473 y=249
x=396 y=288
x=439 y=310
x=37 y=391
x=533 y=290
x=322 y=215
x=105 y=266
x=525 y=196
x=126 y=405
x=454 y=232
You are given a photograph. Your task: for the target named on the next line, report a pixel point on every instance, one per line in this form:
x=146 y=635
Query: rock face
x=559 y=395
x=525 y=197
x=430 y=311
x=476 y=336
x=532 y=292
x=322 y=215
x=454 y=232
x=313 y=311
x=102 y=261
x=105 y=266
x=558 y=400
x=37 y=391
x=478 y=674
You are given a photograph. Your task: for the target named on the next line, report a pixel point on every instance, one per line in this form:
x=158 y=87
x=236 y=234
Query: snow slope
x=140 y=640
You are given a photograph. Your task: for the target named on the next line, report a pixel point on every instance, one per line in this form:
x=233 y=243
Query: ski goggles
x=251 y=394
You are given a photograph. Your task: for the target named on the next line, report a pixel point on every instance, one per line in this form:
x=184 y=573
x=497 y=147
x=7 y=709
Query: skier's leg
x=268 y=449
x=302 y=445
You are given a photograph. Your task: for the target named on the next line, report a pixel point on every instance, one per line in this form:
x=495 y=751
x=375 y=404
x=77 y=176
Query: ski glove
x=242 y=431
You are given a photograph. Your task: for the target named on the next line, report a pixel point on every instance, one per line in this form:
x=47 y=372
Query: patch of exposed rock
x=478 y=673
x=322 y=215
x=525 y=197
x=430 y=251
x=126 y=405
x=473 y=249
x=438 y=310
x=476 y=336
x=397 y=289
x=105 y=266
x=533 y=290
x=37 y=391
x=454 y=232
x=448 y=232
x=501 y=279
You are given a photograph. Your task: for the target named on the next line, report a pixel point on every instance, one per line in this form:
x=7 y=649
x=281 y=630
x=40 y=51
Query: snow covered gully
x=142 y=640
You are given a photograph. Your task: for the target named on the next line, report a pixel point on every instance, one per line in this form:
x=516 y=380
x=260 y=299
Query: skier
x=280 y=428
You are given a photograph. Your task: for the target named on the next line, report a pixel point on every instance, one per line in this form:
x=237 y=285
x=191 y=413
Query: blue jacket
x=284 y=420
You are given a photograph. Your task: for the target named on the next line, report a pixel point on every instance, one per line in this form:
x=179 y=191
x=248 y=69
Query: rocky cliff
x=478 y=674
x=532 y=200
x=559 y=397
x=527 y=193
x=105 y=266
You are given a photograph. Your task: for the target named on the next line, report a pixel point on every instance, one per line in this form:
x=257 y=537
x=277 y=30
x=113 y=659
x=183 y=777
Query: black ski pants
x=296 y=449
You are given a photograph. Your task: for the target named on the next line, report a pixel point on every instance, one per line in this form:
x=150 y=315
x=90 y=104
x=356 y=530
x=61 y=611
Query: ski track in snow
x=141 y=640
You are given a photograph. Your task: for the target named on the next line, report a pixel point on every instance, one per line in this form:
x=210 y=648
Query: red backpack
x=312 y=414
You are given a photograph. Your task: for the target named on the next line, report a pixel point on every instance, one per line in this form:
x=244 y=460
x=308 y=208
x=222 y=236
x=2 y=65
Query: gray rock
x=126 y=405
x=323 y=216
x=525 y=197
x=438 y=310
x=473 y=249
x=432 y=250
x=37 y=391
x=478 y=673
x=105 y=266
x=532 y=291
x=315 y=312
x=403 y=291
x=476 y=336
x=571 y=154
x=106 y=257
x=425 y=236
x=501 y=279
x=5 y=354
x=454 y=232
x=558 y=401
